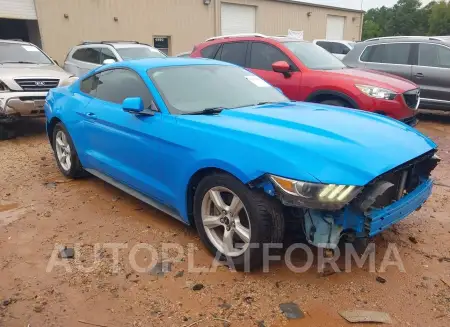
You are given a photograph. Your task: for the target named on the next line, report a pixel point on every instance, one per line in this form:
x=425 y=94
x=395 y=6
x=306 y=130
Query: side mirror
x=108 y=61
x=282 y=67
x=133 y=105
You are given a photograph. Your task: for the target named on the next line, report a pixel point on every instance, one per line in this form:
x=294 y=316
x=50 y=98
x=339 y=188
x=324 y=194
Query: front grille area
x=37 y=84
x=412 y=98
x=393 y=185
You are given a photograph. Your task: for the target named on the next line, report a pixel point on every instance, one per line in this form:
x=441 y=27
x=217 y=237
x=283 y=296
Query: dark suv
x=423 y=60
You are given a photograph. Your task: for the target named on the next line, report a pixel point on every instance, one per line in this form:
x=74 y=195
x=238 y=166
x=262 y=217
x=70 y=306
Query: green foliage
x=408 y=17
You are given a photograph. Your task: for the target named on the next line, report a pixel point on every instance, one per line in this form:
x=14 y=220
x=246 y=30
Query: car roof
x=15 y=42
x=145 y=64
x=249 y=37
x=394 y=39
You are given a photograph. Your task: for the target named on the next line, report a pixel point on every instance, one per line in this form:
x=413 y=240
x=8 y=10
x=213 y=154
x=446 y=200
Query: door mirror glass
x=133 y=105
x=108 y=61
x=281 y=67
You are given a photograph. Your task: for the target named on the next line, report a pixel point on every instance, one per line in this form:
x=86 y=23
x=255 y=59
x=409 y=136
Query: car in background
x=338 y=48
x=89 y=55
x=307 y=72
x=422 y=60
x=26 y=75
x=217 y=147
x=184 y=54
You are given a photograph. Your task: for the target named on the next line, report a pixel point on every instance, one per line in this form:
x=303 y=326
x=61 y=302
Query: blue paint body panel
x=384 y=218
x=158 y=155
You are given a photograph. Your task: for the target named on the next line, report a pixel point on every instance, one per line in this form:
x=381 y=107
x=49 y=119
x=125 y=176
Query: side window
x=234 y=53
x=107 y=54
x=116 y=85
x=79 y=54
x=90 y=55
x=210 y=52
x=373 y=53
x=264 y=55
x=397 y=53
x=444 y=57
x=325 y=45
x=428 y=55
x=339 y=48
x=88 y=85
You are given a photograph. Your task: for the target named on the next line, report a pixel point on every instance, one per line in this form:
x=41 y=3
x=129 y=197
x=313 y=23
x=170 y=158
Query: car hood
x=328 y=144
x=9 y=72
x=375 y=78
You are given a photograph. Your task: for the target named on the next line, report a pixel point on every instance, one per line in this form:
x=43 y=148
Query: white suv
x=26 y=75
x=89 y=55
x=339 y=48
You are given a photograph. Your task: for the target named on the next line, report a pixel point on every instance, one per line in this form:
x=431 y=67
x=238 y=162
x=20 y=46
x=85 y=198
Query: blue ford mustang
x=217 y=147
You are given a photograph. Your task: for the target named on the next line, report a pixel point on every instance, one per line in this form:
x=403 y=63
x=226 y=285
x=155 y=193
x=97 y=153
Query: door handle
x=91 y=115
x=419 y=75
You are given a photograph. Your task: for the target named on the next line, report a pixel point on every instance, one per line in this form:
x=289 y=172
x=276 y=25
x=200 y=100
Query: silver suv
x=423 y=60
x=89 y=55
x=26 y=75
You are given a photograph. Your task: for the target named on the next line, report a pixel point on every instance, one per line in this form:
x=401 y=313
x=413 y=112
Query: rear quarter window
x=210 y=51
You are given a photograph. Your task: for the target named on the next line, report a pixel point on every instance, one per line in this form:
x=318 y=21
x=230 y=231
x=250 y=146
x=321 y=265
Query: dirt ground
x=40 y=209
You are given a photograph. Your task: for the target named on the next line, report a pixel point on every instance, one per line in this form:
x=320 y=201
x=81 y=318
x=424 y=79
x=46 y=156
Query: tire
x=71 y=168
x=335 y=102
x=260 y=215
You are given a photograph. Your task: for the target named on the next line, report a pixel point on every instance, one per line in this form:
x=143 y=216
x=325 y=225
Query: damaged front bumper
x=380 y=219
x=21 y=104
x=383 y=202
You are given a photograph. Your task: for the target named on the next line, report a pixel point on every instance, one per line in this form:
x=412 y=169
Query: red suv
x=306 y=72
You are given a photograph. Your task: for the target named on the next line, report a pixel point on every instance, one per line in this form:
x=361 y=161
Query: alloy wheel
x=63 y=151
x=226 y=221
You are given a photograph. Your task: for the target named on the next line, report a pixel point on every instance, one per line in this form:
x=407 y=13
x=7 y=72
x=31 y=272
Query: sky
x=356 y=4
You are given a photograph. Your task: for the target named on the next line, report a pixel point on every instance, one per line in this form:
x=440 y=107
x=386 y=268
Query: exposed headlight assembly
x=377 y=92
x=68 y=81
x=315 y=195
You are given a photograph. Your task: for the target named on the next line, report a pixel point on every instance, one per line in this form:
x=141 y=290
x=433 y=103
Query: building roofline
x=320 y=6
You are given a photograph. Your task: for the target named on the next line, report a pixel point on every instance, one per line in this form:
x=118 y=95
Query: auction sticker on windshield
x=257 y=81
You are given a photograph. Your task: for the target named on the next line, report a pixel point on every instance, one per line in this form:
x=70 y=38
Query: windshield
x=139 y=53
x=188 y=89
x=22 y=53
x=313 y=56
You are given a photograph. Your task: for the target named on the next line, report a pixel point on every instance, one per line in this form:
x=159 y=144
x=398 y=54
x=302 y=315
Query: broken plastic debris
x=366 y=316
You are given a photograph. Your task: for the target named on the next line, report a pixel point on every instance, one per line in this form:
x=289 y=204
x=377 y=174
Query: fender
x=333 y=93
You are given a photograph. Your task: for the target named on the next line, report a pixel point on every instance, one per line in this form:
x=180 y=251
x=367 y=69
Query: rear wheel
x=65 y=153
x=235 y=222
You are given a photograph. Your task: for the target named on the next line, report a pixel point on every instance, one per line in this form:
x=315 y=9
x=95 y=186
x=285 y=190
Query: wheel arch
x=195 y=179
x=330 y=94
x=50 y=127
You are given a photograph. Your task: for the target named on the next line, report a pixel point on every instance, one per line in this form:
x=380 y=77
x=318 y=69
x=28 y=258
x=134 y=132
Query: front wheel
x=65 y=154
x=234 y=221
x=335 y=102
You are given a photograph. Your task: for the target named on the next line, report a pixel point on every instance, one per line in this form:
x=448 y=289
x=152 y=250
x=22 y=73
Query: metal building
x=171 y=25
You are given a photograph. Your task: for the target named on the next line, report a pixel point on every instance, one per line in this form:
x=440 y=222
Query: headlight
x=3 y=87
x=68 y=81
x=315 y=195
x=377 y=92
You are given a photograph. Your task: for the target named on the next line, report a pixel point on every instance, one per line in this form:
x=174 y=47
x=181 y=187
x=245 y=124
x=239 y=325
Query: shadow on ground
x=28 y=127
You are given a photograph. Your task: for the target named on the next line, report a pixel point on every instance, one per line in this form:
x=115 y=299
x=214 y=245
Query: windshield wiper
x=18 y=62
x=207 y=111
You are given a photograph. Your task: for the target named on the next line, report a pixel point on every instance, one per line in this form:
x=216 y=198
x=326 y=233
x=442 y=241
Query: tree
x=439 y=20
x=407 y=17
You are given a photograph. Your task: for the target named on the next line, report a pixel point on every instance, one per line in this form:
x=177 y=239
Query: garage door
x=335 y=27
x=17 y=9
x=236 y=19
